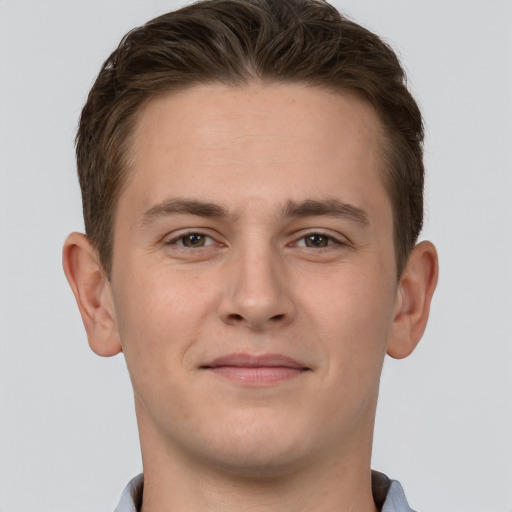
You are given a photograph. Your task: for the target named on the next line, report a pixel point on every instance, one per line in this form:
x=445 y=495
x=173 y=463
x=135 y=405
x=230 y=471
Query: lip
x=256 y=369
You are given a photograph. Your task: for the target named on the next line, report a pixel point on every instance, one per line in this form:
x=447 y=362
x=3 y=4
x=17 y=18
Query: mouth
x=256 y=370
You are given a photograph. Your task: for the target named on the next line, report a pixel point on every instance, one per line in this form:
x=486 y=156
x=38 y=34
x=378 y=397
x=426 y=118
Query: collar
x=388 y=495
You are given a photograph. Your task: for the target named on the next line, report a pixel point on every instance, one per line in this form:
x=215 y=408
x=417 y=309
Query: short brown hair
x=235 y=42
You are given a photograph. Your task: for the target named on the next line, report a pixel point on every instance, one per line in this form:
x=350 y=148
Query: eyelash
x=331 y=240
x=178 y=240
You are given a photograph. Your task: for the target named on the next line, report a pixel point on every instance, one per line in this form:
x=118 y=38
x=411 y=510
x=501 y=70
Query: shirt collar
x=131 y=499
x=388 y=495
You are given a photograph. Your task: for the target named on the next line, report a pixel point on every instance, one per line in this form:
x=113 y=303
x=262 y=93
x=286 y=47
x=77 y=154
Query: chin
x=253 y=464
x=257 y=451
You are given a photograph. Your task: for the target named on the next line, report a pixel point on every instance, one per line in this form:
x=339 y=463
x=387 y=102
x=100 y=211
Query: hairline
x=125 y=164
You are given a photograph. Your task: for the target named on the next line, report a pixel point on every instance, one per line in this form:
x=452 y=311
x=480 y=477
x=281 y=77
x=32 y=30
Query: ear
x=93 y=294
x=414 y=294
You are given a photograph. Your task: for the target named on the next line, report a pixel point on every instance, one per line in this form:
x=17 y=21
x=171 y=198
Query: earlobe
x=414 y=295
x=92 y=293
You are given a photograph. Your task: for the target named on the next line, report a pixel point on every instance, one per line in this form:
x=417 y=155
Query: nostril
x=235 y=317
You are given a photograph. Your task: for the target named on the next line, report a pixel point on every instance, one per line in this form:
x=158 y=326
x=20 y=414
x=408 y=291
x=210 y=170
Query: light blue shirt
x=385 y=491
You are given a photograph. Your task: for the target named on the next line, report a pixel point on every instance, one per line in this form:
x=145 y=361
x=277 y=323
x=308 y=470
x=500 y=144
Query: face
x=253 y=277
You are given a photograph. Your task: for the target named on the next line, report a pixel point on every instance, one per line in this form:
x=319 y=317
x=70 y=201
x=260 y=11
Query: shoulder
x=388 y=494
x=131 y=499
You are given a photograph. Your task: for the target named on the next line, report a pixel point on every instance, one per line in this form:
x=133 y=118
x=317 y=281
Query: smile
x=256 y=370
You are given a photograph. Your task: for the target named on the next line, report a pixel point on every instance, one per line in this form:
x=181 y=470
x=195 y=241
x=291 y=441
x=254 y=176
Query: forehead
x=215 y=113
x=257 y=140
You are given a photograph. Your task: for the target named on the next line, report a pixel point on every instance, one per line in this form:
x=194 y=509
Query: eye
x=316 y=240
x=192 y=240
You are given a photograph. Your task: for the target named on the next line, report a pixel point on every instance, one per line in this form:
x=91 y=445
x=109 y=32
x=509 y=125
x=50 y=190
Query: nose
x=256 y=291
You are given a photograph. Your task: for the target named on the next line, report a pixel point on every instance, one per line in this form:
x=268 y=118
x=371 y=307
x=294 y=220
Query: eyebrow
x=182 y=206
x=328 y=208
x=306 y=208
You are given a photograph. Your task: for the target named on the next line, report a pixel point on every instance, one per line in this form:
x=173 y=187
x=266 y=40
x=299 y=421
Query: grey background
x=68 y=438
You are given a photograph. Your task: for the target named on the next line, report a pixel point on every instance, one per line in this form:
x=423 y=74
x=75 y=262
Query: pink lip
x=253 y=370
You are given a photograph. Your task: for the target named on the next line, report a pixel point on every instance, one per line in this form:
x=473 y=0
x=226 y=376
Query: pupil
x=316 y=241
x=193 y=240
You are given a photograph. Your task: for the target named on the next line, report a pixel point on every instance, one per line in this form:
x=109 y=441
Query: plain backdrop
x=68 y=438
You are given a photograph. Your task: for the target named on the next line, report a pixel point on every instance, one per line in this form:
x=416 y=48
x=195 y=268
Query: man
x=252 y=182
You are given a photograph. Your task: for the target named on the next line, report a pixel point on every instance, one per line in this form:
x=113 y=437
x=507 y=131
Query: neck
x=175 y=481
x=349 y=492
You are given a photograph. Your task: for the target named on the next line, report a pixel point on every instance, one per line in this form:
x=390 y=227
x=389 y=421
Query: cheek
x=159 y=315
x=159 y=318
x=353 y=313
x=349 y=315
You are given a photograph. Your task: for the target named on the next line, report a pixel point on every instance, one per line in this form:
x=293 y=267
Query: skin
x=256 y=271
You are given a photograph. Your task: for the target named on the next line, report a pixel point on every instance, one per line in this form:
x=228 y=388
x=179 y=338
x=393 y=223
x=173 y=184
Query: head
x=237 y=42
x=252 y=182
